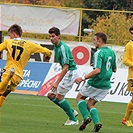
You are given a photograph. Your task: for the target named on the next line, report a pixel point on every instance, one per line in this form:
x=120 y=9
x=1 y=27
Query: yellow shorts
x=130 y=85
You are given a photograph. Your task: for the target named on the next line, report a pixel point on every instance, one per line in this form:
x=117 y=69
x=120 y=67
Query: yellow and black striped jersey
x=19 y=52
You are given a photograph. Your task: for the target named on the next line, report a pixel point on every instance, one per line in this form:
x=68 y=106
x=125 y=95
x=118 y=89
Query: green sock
x=83 y=109
x=56 y=102
x=66 y=107
x=94 y=115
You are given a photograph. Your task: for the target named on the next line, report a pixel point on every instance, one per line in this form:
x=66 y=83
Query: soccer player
x=18 y=54
x=128 y=61
x=67 y=77
x=98 y=84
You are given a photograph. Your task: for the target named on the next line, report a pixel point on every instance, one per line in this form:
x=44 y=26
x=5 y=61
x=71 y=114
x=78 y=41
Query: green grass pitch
x=36 y=114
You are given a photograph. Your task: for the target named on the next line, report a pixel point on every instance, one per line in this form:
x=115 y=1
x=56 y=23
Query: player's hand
x=46 y=58
x=54 y=85
x=78 y=80
x=91 y=64
x=54 y=89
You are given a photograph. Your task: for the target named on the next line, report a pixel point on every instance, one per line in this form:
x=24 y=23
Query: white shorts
x=69 y=79
x=67 y=82
x=60 y=91
x=92 y=92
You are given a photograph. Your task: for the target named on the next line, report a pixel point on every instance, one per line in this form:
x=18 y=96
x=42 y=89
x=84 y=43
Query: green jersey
x=64 y=55
x=105 y=60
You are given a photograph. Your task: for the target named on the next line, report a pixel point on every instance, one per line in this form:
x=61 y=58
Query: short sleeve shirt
x=105 y=60
x=64 y=55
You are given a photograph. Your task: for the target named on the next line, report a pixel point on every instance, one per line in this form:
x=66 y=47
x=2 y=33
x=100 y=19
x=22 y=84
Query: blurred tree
x=108 y=4
x=115 y=25
x=65 y=3
x=105 y=5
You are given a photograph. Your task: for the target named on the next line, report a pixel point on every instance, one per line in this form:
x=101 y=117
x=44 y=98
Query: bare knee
x=51 y=95
x=59 y=97
x=80 y=97
x=91 y=103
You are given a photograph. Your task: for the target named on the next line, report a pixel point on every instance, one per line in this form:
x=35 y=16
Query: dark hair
x=54 y=30
x=131 y=28
x=102 y=36
x=16 y=28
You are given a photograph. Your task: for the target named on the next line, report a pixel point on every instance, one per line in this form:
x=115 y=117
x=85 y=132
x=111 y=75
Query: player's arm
x=46 y=58
x=35 y=48
x=3 y=46
x=127 y=55
x=62 y=74
x=65 y=65
x=93 y=73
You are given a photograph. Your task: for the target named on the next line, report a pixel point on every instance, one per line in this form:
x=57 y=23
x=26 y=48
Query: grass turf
x=36 y=114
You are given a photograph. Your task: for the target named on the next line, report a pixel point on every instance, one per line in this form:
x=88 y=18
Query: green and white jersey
x=64 y=55
x=105 y=60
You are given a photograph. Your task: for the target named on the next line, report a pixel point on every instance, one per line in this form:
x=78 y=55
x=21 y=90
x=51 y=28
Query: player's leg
x=64 y=104
x=3 y=96
x=129 y=109
x=96 y=95
x=15 y=80
x=93 y=111
x=83 y=110
x=6 y=77
x=94 y=115
x=52 y=96
x=59 y=100
x=64 y=86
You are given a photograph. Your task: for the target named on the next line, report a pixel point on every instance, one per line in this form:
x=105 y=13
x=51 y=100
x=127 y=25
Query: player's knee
x=59 y=97
x=50 y=95
x=79 y=97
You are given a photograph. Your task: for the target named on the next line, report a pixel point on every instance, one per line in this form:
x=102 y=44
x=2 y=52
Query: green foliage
x=108 y=4
x=92 y=4
x=105 y=5
x=116 y=26
x=65 y=3
x=72 y=3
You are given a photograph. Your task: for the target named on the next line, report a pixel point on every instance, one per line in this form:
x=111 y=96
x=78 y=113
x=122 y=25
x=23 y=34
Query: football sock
x=83 y=109
x=94 y=115
x=2 y=98
x=7 y=92
x=56 y=102
x=129 y=110
x=66 y=107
